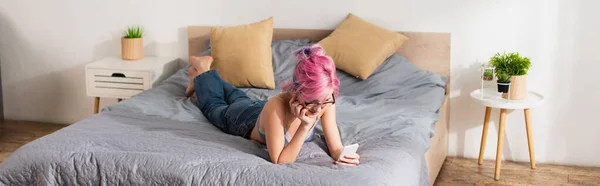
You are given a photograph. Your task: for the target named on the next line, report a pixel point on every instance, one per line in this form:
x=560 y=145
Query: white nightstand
x=490 y=98
x=113 y=77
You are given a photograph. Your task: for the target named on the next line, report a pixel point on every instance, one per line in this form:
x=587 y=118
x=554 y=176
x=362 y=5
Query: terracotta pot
x=518 y=88
x=132 y=48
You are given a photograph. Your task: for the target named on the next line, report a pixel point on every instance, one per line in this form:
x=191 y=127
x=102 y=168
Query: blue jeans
x=225 y=106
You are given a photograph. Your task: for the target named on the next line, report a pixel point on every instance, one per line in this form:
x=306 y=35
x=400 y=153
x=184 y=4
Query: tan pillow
x=359 y=47
x=242 y=54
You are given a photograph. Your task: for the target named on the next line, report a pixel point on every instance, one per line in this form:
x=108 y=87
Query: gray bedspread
x=160 y=137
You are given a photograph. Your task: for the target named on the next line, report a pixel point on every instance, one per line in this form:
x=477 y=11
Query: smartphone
x=348 y=150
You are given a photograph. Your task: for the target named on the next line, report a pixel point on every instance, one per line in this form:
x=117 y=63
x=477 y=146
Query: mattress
x=160 y=137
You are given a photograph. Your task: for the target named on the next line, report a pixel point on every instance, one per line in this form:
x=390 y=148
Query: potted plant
x=503 y=82
x=516 y=67
x=488 y=75
x=132 y=45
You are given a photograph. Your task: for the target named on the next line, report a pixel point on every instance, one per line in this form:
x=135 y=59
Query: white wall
x=44 y=46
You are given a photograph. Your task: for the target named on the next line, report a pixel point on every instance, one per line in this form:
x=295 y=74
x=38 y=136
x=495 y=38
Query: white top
x=491 y=98
x=158 y=65
x=148 y=63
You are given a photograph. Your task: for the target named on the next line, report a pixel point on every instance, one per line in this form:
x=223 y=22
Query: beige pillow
x=242 y=54
x=359 y=47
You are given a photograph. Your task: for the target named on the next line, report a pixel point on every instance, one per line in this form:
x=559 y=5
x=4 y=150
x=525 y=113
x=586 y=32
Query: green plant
x=511 y=64
x=487 y=73
x=503 y=78
x=134 y=32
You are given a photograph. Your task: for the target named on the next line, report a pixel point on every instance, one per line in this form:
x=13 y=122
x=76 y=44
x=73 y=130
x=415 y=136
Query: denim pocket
x=238 y=114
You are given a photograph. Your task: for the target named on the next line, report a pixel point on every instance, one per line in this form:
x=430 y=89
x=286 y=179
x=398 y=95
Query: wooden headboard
x=427 y=50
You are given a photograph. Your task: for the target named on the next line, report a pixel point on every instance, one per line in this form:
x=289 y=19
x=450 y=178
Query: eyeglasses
x=322 y=105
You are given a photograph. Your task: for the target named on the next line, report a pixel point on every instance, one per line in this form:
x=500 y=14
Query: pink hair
x=314 y=74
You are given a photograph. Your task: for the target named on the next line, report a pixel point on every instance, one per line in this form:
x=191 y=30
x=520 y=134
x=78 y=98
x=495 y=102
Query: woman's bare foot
x=199 y=66
x=202 y=64
x=192 y=73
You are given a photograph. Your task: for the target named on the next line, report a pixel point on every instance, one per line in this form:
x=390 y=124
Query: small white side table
x=490 y=98
x=114 y=77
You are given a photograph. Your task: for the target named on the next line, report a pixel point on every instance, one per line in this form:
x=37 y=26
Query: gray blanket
x=160 y=137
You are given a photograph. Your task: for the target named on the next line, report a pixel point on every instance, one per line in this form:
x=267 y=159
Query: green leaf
x=511 y=64
x=134 y=32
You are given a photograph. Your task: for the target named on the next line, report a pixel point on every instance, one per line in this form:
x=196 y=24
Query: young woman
x=284 y=122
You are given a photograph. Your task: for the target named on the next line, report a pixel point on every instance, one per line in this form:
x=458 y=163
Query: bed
x=399 y=116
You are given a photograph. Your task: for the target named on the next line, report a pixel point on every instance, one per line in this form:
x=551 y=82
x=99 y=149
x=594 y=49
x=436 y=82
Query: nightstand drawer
x=117 y=83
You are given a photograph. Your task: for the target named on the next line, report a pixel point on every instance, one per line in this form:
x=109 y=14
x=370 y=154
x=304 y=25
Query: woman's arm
x=332 y=137
x=332 y=134
x=274 y=112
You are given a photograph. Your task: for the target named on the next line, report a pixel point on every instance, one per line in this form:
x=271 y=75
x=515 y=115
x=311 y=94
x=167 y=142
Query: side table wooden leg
x=486 y=123
x=529 y=138
x=500 y=143
x=119 y=99
x=96 y=104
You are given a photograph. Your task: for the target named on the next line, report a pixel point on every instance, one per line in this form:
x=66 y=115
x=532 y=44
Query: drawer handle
x=118 y=75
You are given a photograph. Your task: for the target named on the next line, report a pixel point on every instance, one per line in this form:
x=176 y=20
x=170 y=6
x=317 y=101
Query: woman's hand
x=352 y=159
x=300 y=112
